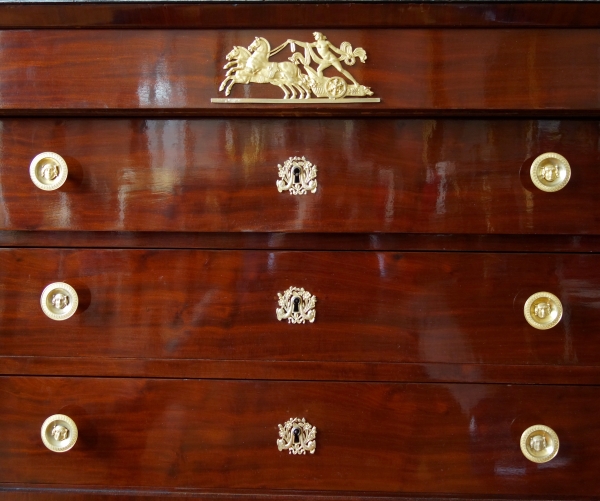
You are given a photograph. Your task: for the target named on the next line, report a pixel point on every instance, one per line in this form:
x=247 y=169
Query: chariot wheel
x=336 y=87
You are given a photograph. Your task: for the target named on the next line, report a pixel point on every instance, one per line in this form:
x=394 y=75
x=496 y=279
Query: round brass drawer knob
x=539 y=443
x=59 y=433
x=543 y=310
x=59 y=301
x=48 y=171
x=550 y=172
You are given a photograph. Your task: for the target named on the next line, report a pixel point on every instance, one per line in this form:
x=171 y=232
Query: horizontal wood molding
x=303 y=241
x=299 y=371
x=16 y=492
x=215 y=15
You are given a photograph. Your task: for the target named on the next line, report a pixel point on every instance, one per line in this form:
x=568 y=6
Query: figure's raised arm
x=335 y=49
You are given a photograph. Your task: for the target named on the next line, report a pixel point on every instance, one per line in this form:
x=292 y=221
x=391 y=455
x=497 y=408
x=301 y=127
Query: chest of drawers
x=368 y=294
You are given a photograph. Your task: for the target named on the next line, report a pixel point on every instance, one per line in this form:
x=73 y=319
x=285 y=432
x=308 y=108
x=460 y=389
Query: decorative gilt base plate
x=310 y=100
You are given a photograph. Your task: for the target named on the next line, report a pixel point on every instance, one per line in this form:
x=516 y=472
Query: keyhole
x=296 y=308
x=296 y=433
x=297 y=175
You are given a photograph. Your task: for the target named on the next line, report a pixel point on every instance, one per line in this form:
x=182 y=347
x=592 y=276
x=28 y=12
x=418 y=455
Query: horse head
x=238 y=53
x=260 y=44
x=233 y=54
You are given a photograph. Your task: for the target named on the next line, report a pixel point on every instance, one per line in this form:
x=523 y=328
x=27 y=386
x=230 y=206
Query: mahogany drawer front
x=436 y=438
x=370 y=306
x=388 y=175
x=411 y=69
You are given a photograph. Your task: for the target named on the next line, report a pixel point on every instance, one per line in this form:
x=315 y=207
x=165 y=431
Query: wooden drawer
x=410 y=70
x=371 y=306
x=389 y=175
x=437 y=438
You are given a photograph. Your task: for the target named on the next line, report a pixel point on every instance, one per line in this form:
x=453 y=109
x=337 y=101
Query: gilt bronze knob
x=539 y=443
x=543 y=310
x=59 y=301
x=550 y=172
x=48 y=171
x=59 y=433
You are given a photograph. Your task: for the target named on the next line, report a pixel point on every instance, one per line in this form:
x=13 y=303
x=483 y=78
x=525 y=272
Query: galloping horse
x=253 y=65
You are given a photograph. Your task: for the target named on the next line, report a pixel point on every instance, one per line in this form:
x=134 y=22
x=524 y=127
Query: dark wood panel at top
x=216 y=175
x=410 y=70
x=303 y=15
x=371 y=306
x=401 y=438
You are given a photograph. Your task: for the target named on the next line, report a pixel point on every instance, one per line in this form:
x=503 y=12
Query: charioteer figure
x=327 y=57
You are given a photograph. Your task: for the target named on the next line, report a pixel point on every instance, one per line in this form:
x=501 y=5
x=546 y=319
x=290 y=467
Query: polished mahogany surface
x=371 y=307
x=445 y=438
x=410 y=70
x=418 y=176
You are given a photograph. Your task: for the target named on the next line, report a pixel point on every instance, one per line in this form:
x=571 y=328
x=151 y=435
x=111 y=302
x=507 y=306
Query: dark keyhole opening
x=296 y=308
x=296 y=433
x=297 y=175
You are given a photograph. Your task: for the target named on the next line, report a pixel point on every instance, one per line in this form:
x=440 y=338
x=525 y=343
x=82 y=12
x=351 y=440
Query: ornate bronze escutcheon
x=297 y=436
x=296 y=305
x=298 y=176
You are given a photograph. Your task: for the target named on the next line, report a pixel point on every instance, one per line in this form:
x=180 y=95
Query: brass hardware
x=543 y=310
x=296 y=305
x=59 y=433
x=297 y=436
x=59 y=301
x=252 y=65
x=550 y=172
x=48 y=171
x=298 y=176
x=539 y=443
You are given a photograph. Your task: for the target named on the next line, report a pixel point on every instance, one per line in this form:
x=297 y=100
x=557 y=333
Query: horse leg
x=300 y=81
x=224 y=83
x=307 y=89
x=233 y=70
x=300 y=90
x=286 y=95
x=231 y=84
x=291 y=87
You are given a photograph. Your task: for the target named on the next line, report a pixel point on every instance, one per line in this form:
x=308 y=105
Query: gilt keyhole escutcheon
x=296 y=305
x=297 y=176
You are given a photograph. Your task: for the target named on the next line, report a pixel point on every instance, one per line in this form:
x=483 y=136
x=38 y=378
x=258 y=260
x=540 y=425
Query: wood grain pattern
x=400 y=438
x=217 y=175
x=208 y=15
x=504 y=70
x=372 y=307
